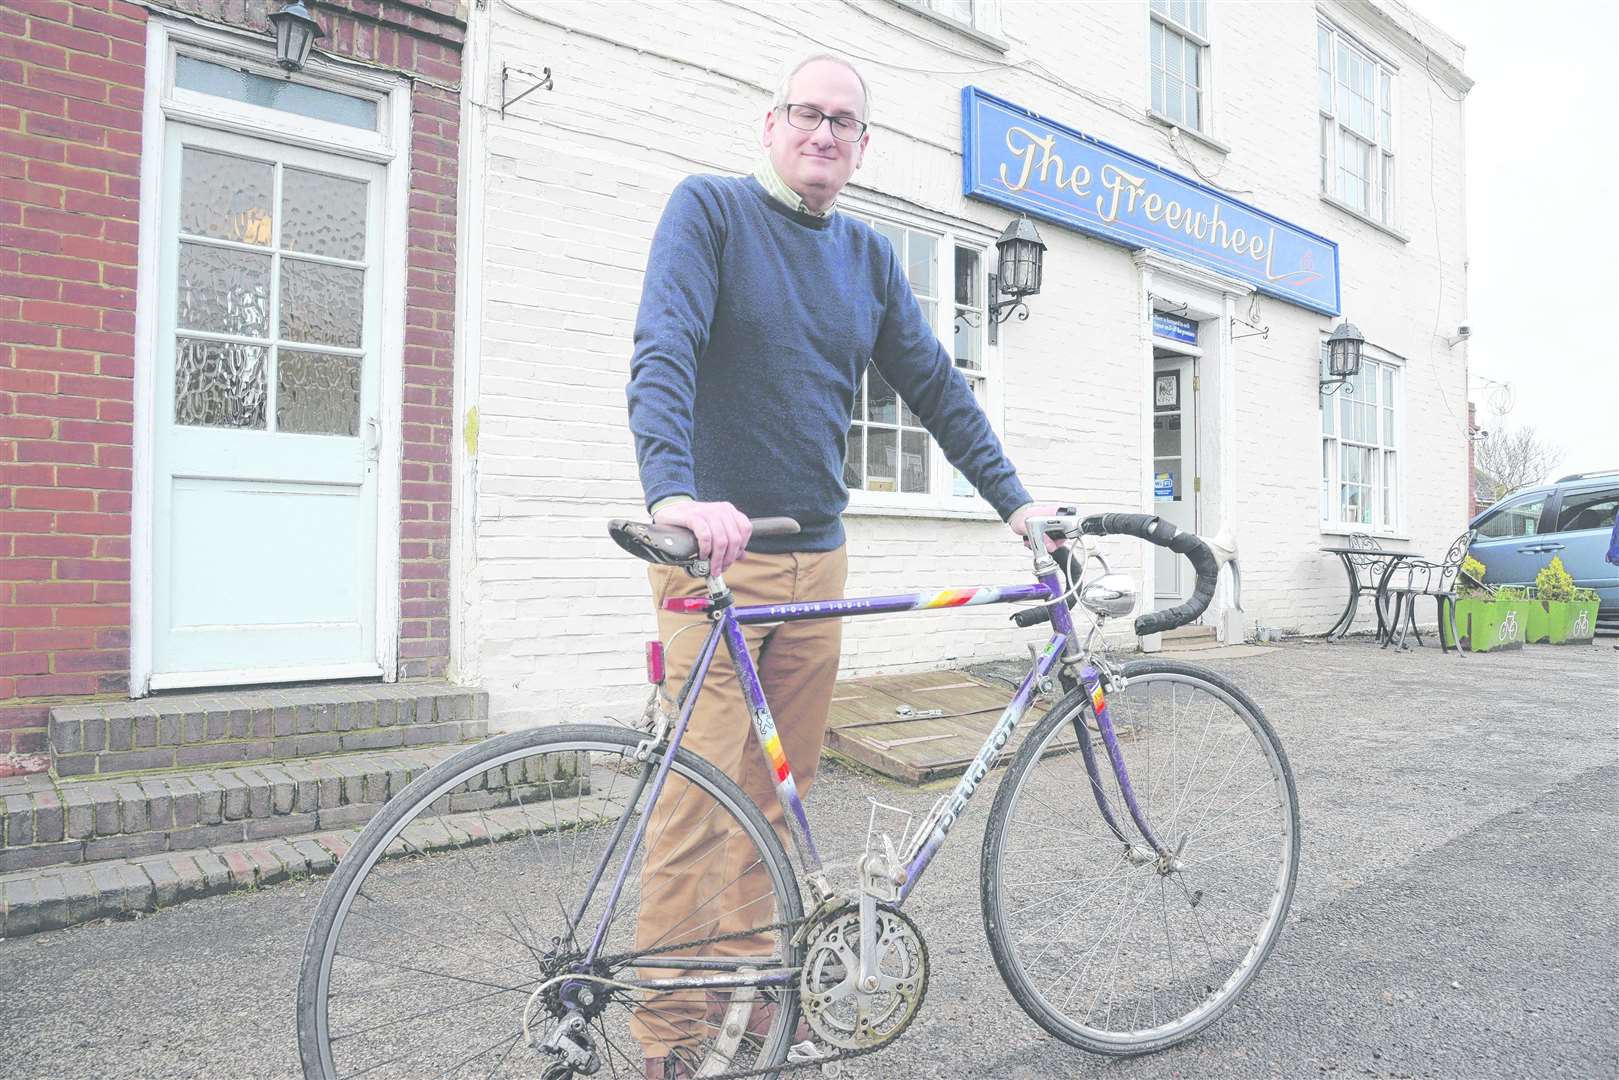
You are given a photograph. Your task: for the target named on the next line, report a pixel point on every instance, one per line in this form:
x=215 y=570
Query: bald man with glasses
x=760 y=309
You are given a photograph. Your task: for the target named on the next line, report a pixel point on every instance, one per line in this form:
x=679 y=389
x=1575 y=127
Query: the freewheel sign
x=1023 y=161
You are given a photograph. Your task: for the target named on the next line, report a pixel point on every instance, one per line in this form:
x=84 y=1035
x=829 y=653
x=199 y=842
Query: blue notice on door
x=1163 y=485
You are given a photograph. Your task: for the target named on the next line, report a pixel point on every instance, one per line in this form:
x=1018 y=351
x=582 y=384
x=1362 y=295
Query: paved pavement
x=1457 y=912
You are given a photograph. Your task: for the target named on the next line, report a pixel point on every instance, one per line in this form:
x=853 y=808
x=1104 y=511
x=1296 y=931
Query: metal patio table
x=1347 y=555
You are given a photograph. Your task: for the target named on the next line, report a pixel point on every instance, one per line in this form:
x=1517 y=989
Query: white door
x=265 y=412
x=1174 y=468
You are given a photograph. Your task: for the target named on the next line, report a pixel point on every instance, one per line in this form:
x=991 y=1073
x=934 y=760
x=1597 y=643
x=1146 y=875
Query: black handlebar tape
x=1155 y=530
x=1071 y=568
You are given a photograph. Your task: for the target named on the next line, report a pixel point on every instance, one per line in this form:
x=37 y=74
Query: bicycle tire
x=1138 y=713
x=386 y=835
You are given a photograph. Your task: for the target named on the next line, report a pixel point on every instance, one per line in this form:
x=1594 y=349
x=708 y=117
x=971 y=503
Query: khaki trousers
x=700 y=877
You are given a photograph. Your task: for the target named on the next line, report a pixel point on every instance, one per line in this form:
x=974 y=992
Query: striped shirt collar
x=777 y=188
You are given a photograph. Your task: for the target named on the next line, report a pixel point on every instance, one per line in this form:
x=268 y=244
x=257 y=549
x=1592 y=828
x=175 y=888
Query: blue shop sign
x=1025 y=162
x=1174 y=328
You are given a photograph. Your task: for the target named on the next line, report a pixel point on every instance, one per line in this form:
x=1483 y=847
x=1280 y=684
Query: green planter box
x=1571 y=622
x=1539 y=626
x=1486 y=625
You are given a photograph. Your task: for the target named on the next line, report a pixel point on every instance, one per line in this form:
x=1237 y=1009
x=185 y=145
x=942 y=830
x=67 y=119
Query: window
x=1356 y=100
x=890 y=453
x=1587 y=510
x=1180 y=61
x=1360 y=457
x=1516 y=519
x=982 y=16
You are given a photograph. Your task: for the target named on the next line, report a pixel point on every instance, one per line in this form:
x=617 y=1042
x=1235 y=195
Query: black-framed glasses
x=808 y=118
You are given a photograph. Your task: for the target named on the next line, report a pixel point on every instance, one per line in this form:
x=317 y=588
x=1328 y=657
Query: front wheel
x=1111 y=946
x=456 y=936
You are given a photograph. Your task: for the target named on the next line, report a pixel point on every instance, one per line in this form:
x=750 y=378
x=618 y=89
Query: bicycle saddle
x=670 y=545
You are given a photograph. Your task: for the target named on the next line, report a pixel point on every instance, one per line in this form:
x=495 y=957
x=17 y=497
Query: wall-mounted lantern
x=1019 y=269
x=295 y=32
x=1343 y=358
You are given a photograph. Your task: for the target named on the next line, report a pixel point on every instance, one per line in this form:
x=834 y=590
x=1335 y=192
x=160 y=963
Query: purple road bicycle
x=1137 y=865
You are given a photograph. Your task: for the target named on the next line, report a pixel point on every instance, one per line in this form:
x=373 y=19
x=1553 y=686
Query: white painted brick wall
x=576 y=179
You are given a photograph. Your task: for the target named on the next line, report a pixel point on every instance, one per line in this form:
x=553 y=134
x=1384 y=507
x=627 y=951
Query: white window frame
x=1381 y=206
x=941 y=502
x=982 y=24
x=389 y=143
x=1202 y=40
x=1387 y=520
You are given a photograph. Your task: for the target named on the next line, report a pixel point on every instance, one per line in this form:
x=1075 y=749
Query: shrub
x=1512 y=592
x=1585 y=596
x=1471 y=582
x=1554 y=582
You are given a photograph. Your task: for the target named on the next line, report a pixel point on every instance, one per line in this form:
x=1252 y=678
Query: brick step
x=73 y=822
x=1184 y=636
x=273 y=724
x=32 y=901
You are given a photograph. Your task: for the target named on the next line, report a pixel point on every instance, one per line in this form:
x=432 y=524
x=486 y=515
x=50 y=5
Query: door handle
x=373 y=438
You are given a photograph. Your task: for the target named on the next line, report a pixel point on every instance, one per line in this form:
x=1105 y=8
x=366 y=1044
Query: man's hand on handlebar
x=721 y=529
x=1019 y=521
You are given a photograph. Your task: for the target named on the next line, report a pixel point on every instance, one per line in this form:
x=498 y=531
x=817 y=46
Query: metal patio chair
x=1418 y=577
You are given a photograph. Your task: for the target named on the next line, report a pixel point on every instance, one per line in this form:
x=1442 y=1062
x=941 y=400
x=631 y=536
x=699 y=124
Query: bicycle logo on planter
x=1509 y=627
x=1582 y=626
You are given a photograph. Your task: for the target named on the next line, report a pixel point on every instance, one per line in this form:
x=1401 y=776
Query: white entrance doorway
x=266 y=418
x=1175 y=482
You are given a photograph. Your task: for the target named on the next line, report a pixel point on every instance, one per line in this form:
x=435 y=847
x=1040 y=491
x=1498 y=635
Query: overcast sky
x=1542 y=220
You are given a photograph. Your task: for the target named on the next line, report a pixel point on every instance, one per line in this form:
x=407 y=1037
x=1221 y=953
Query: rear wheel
x=1108 y=945
x=461 y=917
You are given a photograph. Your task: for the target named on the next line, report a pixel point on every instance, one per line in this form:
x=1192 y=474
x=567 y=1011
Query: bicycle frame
x=727 y=622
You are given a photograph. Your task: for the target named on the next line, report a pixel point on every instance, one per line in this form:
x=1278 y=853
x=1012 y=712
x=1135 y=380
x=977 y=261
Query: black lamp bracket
x=542 y=82
x=1255 y=330
x=1332 y=386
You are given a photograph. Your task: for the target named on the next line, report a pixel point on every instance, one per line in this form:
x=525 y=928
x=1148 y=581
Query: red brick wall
x=70 y=132
x=70 y=135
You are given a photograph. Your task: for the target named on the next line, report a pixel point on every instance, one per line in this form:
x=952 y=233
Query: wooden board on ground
x=921 y=726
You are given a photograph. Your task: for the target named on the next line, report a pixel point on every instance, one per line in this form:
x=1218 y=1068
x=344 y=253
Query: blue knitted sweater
x=755 y=326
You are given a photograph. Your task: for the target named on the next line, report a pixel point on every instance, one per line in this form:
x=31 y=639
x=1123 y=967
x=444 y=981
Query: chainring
x=829 y=993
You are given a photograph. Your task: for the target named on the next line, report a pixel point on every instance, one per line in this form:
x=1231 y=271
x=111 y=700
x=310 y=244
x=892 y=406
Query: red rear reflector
x=685 y=605
x=654 y=662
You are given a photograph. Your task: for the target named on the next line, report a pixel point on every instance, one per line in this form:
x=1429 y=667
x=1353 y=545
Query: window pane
x=223 y=291
x=311 y=101
x=317 y=393
x=882 y=460
x=219 y=384
x=922 y=264
x=322 y=304
x=881 y=401
x=1391 y=501
x=913 y=462
x=969 y=311
x=930 y=312
x=322 y=215
x=1326 y=153
x=1197 y=12
x=1388 y=188
x=225 y=197
x=969 y=285
x=895 y=236
x=1588 y=510
x=854 y=462
x=1519 y=519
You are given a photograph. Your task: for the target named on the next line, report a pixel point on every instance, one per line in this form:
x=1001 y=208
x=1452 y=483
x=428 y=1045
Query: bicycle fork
x=1091 y=680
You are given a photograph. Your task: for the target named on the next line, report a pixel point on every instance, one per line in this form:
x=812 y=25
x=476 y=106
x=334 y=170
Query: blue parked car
x=1571 y=519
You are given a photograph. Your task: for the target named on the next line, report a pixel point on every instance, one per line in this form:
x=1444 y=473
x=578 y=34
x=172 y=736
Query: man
x=760 y=308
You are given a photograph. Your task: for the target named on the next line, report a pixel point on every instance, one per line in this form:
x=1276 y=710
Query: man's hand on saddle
x=1019 y=522
x=721 y=529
